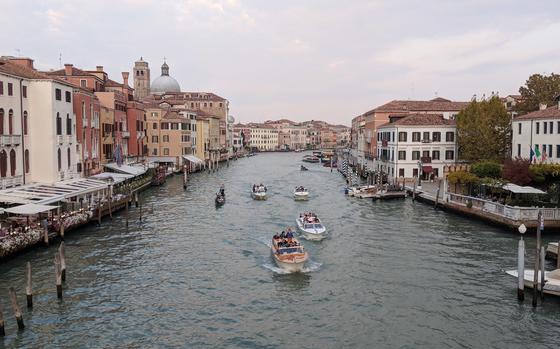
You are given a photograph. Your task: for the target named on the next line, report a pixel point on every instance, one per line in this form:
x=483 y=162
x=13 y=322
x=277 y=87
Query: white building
x=416 y=144
x=539 y=131
x=264 y=137
x=48 y=150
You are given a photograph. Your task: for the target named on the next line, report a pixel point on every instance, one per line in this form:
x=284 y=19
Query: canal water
x=390 y=275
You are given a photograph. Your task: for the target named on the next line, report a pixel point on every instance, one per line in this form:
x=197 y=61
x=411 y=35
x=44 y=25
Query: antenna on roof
x=60 y=59
x=18 y=52
x=436 y=94
x=473 y=98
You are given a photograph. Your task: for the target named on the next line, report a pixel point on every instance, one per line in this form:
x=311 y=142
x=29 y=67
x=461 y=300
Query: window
x=220 y=105
x=83 y=83
x=519 y=149
x=25 y=122
x=558 y=151
x=450 y=136
x=551 y=127
x=545 y=127
x=3 y=163
x=60 y=159
x=166 y=138
x=415 y=155
x=68 y=156
x=26 y=160
x=436 y=136
x=68 y=96
x=549 y=150
x=414 y=172
x=426 y=154
x=165 y=126
x=401 y=172
x=416 y=136
x=165 y=151
x=154 y=151
x=58 y=94
x=1 y=121
x=537 y=125
x=174 y=126
x=449 y=155
x=435 y=155
x=10 y=89
x=68 y=124
x=24 y=91
x=10 y=121
x=519 y=128
x=154 y=139
x=12 y=162
x=426 y=137
x=402 y=155
x=1 y=88
x=154 y=125
x=558 y=127
x=402 y=136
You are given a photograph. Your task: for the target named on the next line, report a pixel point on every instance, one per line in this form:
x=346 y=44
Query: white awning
x=193 y=159
x=517 y=189
x=133 y=170
x=29 y=209
x=113 y=177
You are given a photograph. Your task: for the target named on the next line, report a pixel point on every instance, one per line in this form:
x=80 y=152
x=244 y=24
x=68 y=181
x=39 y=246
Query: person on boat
x=276 y=236
x=282 y=235
x=289 y=235
x=222 y=190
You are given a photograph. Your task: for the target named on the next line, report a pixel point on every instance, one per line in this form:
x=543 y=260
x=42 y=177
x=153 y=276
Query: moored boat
x=258 y=192
x=352 y=191
x=552 y=250
x=310 y=226
x=310 y=158
x=551 y=284
x=301 y=193
x=288 y=253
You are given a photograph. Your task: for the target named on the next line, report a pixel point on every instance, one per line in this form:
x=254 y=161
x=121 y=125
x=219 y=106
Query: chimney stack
x=99 y=68
x=22 y=61
x=125 y=78
x=68 y=69
x=542 y=106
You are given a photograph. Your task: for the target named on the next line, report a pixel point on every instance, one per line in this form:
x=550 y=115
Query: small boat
x=303 y=168
x=220 y=199
x=552 y=250
x=258 y=192
x=298 y=150
x=366 y=193
x=311 y=158
x=288 y=253
x=352 y=191
x=310 y=226
x=300 y=193
x=552 y=280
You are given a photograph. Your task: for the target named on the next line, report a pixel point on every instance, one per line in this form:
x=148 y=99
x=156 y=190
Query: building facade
x=264 y=137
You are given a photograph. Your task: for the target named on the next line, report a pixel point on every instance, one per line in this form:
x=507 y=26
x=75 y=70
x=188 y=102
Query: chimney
x=68 y=69
x=22 y=61
x=125 y=78
x=99 y=68
x=542 y=106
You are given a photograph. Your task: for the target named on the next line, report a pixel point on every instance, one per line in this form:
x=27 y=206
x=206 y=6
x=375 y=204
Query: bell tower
x=141 y=74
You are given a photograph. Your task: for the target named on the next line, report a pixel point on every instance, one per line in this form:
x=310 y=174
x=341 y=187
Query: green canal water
x=390 y=274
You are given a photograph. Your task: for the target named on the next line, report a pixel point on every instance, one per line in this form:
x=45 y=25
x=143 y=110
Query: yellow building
x=107 y=120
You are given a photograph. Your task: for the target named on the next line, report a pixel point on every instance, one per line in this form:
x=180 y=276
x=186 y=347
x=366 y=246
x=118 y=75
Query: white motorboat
x=258 y=192
x=552 y=280
x=311 y=227
x=301 y=193
x=289 y=254
x=359 y=189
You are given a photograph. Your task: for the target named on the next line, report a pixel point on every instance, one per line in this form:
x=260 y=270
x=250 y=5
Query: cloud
x=213 y=11
x=55 y=20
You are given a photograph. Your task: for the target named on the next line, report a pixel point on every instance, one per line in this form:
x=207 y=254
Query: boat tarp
x=30 y=209
x=193 y=159
x=133 y=170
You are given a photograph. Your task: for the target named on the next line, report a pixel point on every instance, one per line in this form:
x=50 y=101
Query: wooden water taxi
x=288 y=253
x=258 y=192
x=310 y=226
x=300 y=193
x=311 y=159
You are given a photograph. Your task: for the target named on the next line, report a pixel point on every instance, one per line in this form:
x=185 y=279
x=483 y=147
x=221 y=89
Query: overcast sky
x=329 y=60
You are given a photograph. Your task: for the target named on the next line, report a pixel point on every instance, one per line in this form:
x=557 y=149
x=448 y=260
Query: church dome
x=164 y=82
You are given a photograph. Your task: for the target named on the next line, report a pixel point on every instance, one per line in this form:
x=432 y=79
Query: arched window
x=68 y=153
x=3 y=163
x=68 y=124
x=59 y=159
x=25 y=122
x=58 y=124
x=1 y=121
x=12 y=162
x=26 y=160
x=10 y=121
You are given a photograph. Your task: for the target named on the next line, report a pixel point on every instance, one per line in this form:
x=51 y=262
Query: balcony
x=60 y=139
x=85 y=123
x=11 y=181
x=10 y=140
x=68 y=139
x=426 y=140
x=125 y=134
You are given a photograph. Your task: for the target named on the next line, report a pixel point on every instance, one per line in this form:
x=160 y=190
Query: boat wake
x=310 y=266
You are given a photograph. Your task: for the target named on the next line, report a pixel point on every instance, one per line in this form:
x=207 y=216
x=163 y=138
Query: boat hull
x=311 y=234
x=294 y=267
x=258 y=196
x=301 y=196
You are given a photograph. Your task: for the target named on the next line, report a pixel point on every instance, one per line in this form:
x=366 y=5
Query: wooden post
x=126 y=211
x=136 y=198
x=558 y=256
x=437 y=198
x=17 y=310
x=537 y=261
x=28 y=289
x=62 y=252
x=140 y=212
x=521 y=270
x=2 y=332
x=58 y=276
x=61 y=227
x=185 y=176
x=542 y=272
x=99 y=213
x=46 y=236
x=414 y=191
x=111 y=207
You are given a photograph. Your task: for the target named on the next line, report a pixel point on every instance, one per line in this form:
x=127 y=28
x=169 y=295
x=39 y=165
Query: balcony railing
x=125 y=134
x=60 y=139
x=10 y=140
x=85 y=123
x=426 y=140
x=11 y=181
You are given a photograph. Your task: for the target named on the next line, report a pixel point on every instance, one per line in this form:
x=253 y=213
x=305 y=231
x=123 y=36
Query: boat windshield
x=285 y=250
x=318 y=226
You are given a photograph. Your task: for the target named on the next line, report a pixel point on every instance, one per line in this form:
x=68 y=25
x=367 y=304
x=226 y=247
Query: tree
x=484 y=131
x=538 y=89
x=487 y=169
x=517 y=171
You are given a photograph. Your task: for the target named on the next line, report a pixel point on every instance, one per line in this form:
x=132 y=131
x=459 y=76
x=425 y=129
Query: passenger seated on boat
x=276 y=236
x=282 y=234
x=289 y=235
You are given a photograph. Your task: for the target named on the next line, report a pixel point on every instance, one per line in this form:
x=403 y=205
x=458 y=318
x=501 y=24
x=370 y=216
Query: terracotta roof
x=420 y=120
x=437 y=104
x=75 y=72
x=18 y=70
x=113 y=83
x=548 y=113
x=188 y=96
x=172 y=114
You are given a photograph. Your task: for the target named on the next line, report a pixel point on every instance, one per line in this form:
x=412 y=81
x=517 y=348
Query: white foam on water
x=310 y=266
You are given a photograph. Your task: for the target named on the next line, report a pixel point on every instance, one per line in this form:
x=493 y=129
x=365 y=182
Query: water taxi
x=300 y=193
x=303 y=168
x=552 y=280
x=258 y=192
x=288 y=253
x=310 y=158
x=310 y=226
x=353 y=191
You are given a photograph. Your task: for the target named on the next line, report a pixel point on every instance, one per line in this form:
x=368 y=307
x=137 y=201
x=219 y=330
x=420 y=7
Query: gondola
x=303 y=168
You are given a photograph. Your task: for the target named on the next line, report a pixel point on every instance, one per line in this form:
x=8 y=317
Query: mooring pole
x=28 y=289
x=17 y=310
x=537 y=261
x=521 y=264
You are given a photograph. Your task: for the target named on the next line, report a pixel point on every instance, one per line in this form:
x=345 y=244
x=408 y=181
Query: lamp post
x=521 y=264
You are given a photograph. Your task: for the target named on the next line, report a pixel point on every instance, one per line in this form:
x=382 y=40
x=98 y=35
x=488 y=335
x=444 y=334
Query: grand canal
x=391 y=274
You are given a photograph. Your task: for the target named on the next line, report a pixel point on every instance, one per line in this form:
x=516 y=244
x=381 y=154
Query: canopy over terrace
x=115 y=178
x=193 y=159
x=29 y=209
x=127 y=169
x=48 y=193
x=517 y=189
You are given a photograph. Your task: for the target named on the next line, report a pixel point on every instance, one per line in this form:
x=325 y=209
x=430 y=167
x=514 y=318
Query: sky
x=317 y=59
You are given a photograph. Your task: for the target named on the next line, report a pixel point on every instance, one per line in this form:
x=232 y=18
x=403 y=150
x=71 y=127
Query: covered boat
x=301 y=193
x=288 y=253
x=258 y=192
x=310 y=226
